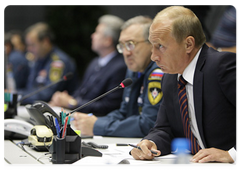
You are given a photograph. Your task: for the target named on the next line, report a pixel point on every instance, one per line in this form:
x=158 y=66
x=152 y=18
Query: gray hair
x=43 y=31
x=113 y=26
x=145 y=21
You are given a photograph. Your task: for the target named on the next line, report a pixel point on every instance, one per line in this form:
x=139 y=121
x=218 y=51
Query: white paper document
x=120 y=155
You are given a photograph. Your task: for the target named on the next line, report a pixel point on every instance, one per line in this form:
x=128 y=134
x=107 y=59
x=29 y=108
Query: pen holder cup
x=66 y=150
x=11 y=102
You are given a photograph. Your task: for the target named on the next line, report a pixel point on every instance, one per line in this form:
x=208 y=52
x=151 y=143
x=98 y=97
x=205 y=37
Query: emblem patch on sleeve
x=154 y=92
x=156 y=74
x=154 y=87
x=56 y=70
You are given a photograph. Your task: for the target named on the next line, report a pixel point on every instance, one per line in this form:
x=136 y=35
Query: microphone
x=123 y=84
x=65 y=78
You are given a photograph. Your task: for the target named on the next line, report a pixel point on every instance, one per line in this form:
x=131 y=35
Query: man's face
x=98 y=38
x=166 y=52
x=34 y=45
x=138 y=59
x=17 y=43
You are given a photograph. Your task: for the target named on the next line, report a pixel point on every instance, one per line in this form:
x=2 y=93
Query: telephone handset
x=40 y=111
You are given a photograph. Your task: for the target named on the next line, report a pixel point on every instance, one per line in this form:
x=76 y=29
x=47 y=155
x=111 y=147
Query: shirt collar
x=188 y=73
x=102 y=61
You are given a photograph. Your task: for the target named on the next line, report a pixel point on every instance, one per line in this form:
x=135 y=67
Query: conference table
x=16 y=154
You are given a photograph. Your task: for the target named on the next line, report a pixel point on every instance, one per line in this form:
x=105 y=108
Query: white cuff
x=233 y=153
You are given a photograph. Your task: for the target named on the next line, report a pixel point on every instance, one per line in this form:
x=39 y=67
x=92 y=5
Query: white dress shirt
x=102 y=61
x=188 y=75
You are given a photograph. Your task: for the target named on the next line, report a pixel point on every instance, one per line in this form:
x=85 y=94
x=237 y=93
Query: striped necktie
x=184 y=115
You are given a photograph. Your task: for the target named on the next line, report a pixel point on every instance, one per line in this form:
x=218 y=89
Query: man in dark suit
x=178 y=48
x=103 y=73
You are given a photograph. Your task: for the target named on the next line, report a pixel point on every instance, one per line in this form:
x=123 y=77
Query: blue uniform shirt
x=49 y=70
x=139 y=106
x=19 y=66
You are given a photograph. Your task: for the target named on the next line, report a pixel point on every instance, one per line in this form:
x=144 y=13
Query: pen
x=57 y=127
x=61 y=113
x=65 y=127
x=121 y=144
x=63 y=117
x=138 y=147
x=90 y=114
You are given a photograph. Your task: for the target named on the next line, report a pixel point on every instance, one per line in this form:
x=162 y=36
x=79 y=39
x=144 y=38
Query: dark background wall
x=73 y=25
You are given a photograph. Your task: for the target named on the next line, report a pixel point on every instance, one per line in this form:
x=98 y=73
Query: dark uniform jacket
x=18 y=64
x=49 y=70
x=139 y=106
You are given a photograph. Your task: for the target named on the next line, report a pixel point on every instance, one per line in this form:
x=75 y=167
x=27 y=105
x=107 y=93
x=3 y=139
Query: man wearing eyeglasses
x=141 y=100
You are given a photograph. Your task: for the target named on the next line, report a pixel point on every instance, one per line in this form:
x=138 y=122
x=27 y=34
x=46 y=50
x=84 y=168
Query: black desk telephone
x=70 y=145
x=64 y=150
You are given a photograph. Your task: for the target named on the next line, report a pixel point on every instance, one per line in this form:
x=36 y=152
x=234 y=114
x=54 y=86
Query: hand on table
x=212 y=155
x=145 y=152
x=84 y=122
x=60 y=99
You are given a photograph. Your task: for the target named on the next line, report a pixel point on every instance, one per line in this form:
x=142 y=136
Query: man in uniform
x=50 y=66
x=17 y=64
x=141 y=100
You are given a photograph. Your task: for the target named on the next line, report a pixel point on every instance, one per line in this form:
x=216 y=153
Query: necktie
x=184 y=115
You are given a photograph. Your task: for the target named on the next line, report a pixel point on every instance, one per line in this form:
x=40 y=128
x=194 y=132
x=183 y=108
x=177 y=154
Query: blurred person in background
x=103 y=73
x=17 y=40
x=224 y=37
x=50 y=65
x=16 y=65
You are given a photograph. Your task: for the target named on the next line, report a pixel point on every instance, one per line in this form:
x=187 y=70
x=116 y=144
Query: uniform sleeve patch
x=154 y=92
x=56 y=70
x=57 y=64
x=156 y=74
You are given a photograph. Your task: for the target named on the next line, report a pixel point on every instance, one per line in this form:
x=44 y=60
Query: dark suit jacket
x=214 y=91
x=98 y=80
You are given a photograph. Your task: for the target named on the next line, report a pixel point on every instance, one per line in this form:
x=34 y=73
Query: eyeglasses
x=129 y=45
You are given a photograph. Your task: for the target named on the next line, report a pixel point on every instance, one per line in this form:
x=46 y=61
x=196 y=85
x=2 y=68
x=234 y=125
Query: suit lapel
x=198 y=91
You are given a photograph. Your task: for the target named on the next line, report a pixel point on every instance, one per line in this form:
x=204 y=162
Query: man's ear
x=189 y=43
x=46 y=40
x=108 y=41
